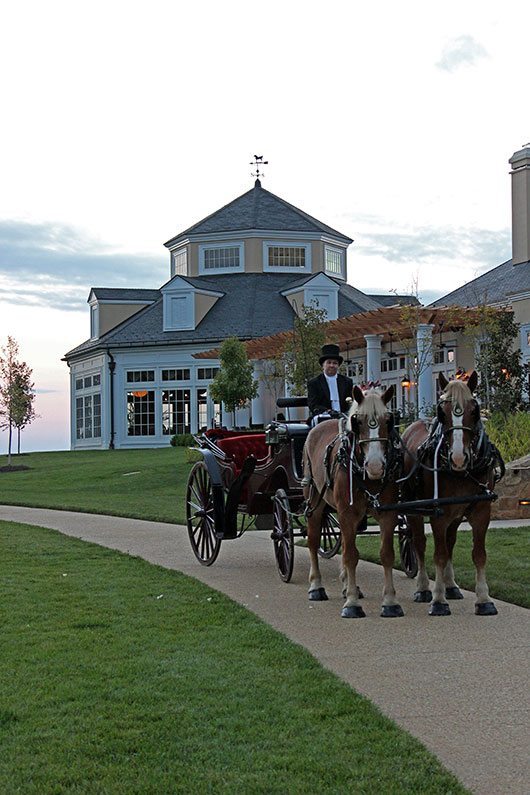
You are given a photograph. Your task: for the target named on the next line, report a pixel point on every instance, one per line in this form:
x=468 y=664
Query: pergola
x=391 y=323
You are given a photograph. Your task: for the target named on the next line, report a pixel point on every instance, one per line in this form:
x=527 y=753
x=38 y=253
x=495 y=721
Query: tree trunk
x=18 y=440
x=10 y=439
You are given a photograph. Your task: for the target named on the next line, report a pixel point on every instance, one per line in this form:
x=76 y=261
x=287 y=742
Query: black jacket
x=318 y=397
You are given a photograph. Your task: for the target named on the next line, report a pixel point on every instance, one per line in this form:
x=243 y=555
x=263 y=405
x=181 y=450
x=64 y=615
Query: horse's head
x=371 y=424
x=459 y=417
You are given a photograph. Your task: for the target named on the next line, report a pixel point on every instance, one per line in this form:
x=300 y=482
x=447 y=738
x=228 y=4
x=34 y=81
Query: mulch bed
x=13 y=468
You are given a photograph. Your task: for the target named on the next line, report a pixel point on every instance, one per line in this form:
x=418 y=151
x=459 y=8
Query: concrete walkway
x=459 y=684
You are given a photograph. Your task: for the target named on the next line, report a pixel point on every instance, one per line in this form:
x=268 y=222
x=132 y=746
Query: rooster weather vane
x=259 y=161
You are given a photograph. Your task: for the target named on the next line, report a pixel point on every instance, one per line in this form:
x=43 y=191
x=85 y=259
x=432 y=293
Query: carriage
x=253 y=479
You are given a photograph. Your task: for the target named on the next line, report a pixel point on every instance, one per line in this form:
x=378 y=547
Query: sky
x=123 y=123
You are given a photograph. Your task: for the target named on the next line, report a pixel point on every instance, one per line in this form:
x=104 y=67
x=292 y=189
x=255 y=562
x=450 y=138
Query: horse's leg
x=439 y=606
x=452 y=591
x=361 y=527
x=349 y=520
x=314 y=522
x=423 y=592
x=479 y=520
x=391 y=607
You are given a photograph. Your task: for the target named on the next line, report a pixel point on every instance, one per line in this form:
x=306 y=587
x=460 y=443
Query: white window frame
x=179 y=256
x=203 y=247
x=342 y=253
x=267 y=244
x=94 y=321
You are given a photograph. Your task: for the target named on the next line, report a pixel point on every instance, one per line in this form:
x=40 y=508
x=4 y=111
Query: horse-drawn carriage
x=321 y=483
x=252 y=479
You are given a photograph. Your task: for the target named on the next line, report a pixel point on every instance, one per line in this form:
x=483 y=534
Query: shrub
x=510 y=433
x=182 y=440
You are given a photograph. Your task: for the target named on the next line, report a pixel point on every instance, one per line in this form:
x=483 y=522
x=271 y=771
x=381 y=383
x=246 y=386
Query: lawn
x=119 y=676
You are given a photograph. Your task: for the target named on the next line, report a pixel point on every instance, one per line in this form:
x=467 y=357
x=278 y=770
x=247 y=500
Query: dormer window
x=94 y=321
x=220 y=258
x=334 y=259
x=286 y=257
x=180 y=262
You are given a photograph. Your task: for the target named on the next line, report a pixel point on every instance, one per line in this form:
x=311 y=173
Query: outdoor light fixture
x=525 y=501
x=405 y=381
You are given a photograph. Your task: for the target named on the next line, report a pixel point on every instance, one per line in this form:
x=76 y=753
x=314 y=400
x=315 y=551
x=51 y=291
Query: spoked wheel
x=200 y=515
x=282 y=536
x=329 y=535
x=407 y=553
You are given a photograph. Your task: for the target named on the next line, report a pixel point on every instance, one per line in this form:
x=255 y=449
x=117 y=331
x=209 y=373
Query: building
x=243 y=271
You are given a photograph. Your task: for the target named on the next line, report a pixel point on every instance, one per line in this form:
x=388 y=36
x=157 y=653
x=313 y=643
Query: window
x=79 y=383
x=284 y=256
x=182 y=374
x=355 y=370
x=221 y=258
x=180 y=262
x=450 y=355
x=87 y=383
x=202 y=408
x=207 y=373
x=94 y=322
x=176 y=411
x=141 y=413
x=334 y=262
x=140 y=376
x=88 y=417
x=389 y=365
x=439 y=357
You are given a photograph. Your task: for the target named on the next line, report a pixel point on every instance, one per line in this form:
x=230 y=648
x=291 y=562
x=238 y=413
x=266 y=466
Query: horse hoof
x=439 y=609
x=353 y=611
x=423 y=596
x=485 y=609
x=454 y=593
x=392 y=611
x=318 y=595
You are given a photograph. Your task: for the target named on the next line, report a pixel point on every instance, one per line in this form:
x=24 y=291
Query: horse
x=452 y=462
x=351 y=464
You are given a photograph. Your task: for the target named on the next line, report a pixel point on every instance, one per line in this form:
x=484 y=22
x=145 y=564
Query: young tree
x=234 y=384
x=23 y=394
x=499 y=362
x=16 y=392
x=302 y=352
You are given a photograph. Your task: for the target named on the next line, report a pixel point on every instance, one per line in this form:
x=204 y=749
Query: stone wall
x=514 y=486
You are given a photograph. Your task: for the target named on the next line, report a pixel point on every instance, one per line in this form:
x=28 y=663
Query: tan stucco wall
x=298 y=298
x=203 y=304
x=521 y=215
x=112 y=314
x=521 y=311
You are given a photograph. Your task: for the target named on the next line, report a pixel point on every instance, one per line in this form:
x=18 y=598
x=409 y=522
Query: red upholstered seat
x=240 y=447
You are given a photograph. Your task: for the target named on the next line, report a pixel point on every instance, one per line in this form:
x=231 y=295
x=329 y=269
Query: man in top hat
x=328 y=392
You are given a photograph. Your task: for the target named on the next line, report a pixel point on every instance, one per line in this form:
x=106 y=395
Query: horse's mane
x=458 y=392
x=372 y=406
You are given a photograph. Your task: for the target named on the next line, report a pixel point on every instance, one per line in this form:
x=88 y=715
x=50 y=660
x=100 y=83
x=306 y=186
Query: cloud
x=55 y=265
x=462 y=51
x=427 y=244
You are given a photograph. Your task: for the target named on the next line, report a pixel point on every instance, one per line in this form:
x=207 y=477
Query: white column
x=257 y=413
x=425 y=351
x=373 y=357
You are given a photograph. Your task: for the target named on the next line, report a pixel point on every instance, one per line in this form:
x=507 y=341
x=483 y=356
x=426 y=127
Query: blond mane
x=372 y=406
x=458 y=392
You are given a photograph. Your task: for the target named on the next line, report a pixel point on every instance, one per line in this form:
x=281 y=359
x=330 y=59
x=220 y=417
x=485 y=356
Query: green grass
x=508 y=572
x=143 y=484
x=122 y=677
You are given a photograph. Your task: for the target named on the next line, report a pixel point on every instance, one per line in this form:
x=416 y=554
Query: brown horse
x=351 y=466
x=447 y=460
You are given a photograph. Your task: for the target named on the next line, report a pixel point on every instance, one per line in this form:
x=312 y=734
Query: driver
x=328 y=393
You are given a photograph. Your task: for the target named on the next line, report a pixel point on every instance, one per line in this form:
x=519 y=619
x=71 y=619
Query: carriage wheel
x=329 y=535
x=200 y=515
x=407 y=553
x=282 y=536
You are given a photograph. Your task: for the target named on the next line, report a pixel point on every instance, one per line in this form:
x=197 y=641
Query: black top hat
x=330 y=352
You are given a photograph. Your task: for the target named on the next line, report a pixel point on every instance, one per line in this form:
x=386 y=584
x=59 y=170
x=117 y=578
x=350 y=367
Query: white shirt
x=333 y=391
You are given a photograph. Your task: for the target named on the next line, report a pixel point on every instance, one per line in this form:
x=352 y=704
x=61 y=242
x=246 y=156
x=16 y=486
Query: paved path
x=459 y=684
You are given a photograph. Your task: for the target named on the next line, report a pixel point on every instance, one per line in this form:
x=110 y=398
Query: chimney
x=520 y=163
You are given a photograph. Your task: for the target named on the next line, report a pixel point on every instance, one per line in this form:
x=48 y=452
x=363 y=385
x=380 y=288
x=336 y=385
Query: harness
x=350 y=456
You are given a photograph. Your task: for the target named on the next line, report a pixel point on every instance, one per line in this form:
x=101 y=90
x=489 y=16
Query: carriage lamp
x=405 y=381
x=525 y=501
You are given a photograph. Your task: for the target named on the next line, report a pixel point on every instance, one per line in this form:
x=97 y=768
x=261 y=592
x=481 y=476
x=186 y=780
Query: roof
x=260 y=210
x=252 y=306
x=124 y=294
x=395 y=300
x=493 y=287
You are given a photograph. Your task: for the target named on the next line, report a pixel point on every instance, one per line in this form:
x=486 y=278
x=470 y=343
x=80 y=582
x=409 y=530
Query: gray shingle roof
x=252 y=306
x=258 y=209
x=495 y=286
x=124 y=294
x=393 y=299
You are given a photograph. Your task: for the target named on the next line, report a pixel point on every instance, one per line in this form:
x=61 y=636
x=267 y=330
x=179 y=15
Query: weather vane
x=259 y=161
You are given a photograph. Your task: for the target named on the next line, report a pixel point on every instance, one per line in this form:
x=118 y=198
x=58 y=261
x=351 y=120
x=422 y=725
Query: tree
x=499 y=362
x=16 y=392
x=234 y=384
x=302 y=351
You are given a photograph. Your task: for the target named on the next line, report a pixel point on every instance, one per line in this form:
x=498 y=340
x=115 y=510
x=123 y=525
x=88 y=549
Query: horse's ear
x=354 y=424
x=440 y=413
x=358 y=394
x=388 y=394
x=442 y=380
x=472 y=381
